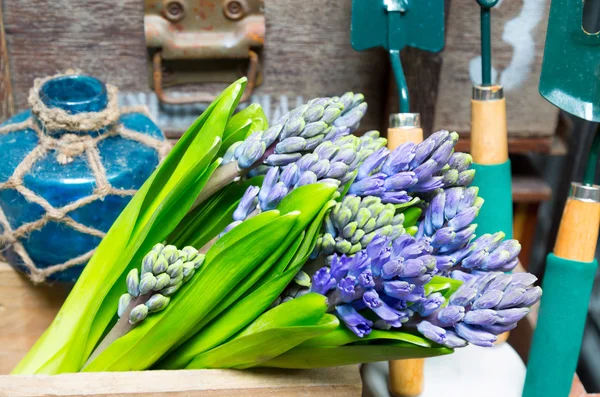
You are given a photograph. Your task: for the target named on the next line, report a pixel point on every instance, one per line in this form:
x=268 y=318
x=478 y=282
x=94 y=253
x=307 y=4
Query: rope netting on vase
x=72 y=143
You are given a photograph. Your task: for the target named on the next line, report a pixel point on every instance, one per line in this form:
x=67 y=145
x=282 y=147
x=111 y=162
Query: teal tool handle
x=494 y=182
x=556 y=342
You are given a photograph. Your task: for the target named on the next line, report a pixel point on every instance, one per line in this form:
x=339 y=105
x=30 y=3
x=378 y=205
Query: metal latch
x=182 y=35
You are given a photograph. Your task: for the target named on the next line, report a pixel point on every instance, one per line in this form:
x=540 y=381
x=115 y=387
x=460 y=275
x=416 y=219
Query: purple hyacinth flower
x=439 y=137
x=451 y=315
x=428 y=185
x=399 y=159
x=474 y=335
x=475 y=260
x=358 y=264
x=453 y=341
x=419 y=280
x=523 y=280
x=426 y=170
x=453 y=196
x=307 y=161
x=383 y=310
x=461 y=276
x=463 y=218
x=276 y=194
x=443 y=236
x=307 y=178
x=532 y=295
x=395 y=197
x=371 y=186
x=422 y=151
x=430 y=304
x=399 y=244
x=512 y=297
x=468 y=198
x=366 y=279
x=436 y=210
x=391 y=269
x=510 y=316
x=432 y=332
x=400 y=181
x=378 y=262
x=376 y=246
x=247 y=204
x=398 y=289
x=488 y=300
x=480 y=317
x=501 y=282
x=442 y=154
x=464 y=296
x=372 y=163
x=353 y=320
x=346 y=288
x=322 y=281
x=268 y=183
x=339 y=266
x=412 y=268
x=289 y=175
x=444 y=262
x=497 y=329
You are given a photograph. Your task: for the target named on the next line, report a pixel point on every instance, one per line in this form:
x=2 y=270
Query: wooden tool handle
x=398 y=136
x=578 y=230
x=406 y=376
x=489 y=144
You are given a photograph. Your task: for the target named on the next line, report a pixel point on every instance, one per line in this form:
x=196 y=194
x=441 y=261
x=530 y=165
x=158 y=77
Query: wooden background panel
x=307 y=48
x=522 y=23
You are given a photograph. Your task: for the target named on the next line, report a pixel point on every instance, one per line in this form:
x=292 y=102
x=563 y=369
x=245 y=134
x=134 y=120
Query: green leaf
x=206 y=221
x=343 y=336
x=236 y=258
x=243 y=124
x=411 y=216
x=412 y=202
x=273 y=333
x=319 y=357
x=233 y=319
x=447 y=286
x=68 y=338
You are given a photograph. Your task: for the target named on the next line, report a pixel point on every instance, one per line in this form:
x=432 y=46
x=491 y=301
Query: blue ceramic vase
x=70 y=165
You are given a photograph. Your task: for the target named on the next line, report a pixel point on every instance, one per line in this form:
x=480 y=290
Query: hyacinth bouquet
x=294 y=245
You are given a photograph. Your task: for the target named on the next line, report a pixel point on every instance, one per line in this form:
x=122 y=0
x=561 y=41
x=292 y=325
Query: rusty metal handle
x=200 y=97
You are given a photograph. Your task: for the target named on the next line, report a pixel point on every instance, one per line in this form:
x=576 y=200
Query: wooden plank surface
x=326 y=382
x=26 y=311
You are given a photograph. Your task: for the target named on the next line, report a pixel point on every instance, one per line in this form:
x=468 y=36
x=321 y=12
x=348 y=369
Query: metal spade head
x=570 y=77
x=395 y=24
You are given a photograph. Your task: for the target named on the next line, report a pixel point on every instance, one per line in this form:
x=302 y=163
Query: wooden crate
x=27 y=310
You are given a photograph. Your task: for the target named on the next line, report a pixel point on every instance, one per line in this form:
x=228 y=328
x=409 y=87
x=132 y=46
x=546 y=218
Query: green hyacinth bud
x=171 y=289
x=328 y=244
x=133 y=283
x=302 y=278
x=162 y=281
x=175 y=269
x=157 y=302
x=138 y=313
x=343 y=246
x=171 y=254
x=198 y=260
x=147 y=283
x=188 y=271
x=188 y=253
x=148 y=262
x=160 y=266
x=124 y=301
x=158 y=248
x=349 y=230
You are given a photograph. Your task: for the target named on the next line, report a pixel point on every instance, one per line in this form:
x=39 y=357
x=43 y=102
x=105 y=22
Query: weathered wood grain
x=307 y=48
x=327 y=382
x=7 y=106
x=26 y=311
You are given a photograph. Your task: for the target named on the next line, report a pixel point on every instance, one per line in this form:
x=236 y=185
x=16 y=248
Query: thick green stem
x=222 y=177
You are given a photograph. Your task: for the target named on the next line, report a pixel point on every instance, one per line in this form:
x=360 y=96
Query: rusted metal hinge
x=202 y=41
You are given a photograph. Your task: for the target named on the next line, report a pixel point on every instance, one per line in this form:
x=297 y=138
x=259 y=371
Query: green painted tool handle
x=557 y=339
x=495 y=186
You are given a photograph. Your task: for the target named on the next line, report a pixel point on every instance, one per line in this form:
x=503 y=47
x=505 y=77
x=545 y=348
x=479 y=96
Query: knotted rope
x=67 y=147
